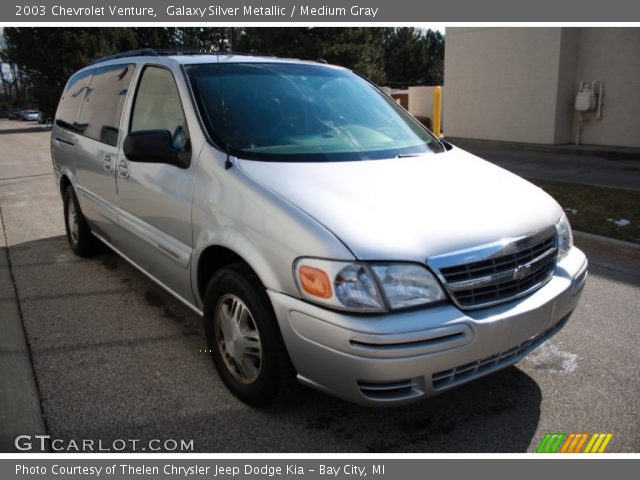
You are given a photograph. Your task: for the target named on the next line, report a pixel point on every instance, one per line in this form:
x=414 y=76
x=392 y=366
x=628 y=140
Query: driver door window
x=157 y=105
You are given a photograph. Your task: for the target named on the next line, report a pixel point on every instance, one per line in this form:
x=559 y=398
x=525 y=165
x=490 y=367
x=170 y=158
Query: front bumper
x=399 y=357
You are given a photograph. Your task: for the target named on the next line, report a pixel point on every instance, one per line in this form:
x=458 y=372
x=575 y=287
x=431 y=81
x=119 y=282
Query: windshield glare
x=300 y=112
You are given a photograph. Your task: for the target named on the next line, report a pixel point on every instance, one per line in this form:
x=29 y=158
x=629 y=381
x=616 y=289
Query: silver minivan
x=323 y=234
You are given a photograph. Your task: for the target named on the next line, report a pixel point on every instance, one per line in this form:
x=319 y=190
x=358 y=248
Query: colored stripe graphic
x=557 y=442
x=543 y=444
x=571 y=440
x=598 y=443
x=551 y=442
x=580 y=443
x=605 y=442
x=574 y=442
x=593 y=439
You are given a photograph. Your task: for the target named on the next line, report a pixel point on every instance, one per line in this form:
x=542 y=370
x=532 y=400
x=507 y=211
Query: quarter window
x=72 y=99
x=102 y=107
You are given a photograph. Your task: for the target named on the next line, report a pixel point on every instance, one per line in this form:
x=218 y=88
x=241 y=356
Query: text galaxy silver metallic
x=223 y=11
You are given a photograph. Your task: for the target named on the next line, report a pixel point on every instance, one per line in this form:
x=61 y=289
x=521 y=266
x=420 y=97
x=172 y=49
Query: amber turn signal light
x=315 y=282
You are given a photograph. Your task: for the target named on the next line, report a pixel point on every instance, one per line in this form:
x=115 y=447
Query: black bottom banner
x=315 y=468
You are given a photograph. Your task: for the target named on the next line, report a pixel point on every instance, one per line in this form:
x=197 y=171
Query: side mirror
x=154 y=146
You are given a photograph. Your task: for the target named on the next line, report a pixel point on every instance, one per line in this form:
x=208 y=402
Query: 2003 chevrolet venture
x=323 y=234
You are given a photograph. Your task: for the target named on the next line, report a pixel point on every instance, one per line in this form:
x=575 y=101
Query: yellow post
x=437 y=111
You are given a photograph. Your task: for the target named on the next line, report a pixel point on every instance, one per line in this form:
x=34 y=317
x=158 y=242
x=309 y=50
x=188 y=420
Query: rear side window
x=102 y=107
x=72 y=99
x=157 y=105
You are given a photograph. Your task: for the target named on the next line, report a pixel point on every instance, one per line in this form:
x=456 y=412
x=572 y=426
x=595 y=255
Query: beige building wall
x=501 y=83
x=613 y=56
x=519 y=84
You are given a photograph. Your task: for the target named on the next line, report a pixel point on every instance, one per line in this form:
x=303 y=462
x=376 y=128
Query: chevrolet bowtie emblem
x=521 y=272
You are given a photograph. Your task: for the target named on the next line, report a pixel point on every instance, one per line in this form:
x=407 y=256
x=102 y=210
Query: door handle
x=65 y=141
x=108 y=162
x=123 y=168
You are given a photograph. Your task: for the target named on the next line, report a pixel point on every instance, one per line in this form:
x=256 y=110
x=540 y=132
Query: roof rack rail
x=201 y=51
x=141 y=52
x=155 y=52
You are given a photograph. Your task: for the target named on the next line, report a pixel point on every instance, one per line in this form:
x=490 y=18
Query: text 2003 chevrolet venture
x=321 y=231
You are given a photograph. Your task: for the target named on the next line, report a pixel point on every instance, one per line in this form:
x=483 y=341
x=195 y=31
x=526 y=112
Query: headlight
x=408 y=285
x=361 y=287
x=565 y=237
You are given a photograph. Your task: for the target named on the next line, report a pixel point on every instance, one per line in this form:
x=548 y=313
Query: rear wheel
x=244 y=338
x=81 y=240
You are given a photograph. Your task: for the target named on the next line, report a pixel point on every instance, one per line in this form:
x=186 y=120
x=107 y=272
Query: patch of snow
x=623 y=222
x=550 y=358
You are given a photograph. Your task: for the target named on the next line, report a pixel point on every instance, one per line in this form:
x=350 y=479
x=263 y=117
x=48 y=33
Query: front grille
x=469 y=371
x=518 y=268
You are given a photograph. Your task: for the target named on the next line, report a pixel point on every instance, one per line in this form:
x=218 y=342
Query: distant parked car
x=13 y=113
x=30 y=115
x=42 y=118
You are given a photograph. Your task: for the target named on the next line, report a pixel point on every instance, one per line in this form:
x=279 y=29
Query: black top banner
x=299 y=11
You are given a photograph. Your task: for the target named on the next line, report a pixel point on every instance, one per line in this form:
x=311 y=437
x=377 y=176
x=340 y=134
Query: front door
x=155 y=198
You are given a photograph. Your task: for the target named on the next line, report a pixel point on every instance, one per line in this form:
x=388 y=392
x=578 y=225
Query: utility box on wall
x=585 y=100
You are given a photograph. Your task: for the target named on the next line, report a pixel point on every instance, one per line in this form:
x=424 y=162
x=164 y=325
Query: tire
x=82 y=242
x=244 y=338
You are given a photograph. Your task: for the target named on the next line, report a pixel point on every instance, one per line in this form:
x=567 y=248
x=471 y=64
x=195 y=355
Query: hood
x=411 y=208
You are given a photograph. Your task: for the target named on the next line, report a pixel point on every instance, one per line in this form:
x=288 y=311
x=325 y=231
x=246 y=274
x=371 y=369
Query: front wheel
x=244 y=338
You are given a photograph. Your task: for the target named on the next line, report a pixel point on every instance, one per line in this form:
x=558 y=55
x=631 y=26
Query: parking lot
x=116 y=358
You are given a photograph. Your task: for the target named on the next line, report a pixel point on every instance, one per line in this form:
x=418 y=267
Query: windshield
x=300 y=112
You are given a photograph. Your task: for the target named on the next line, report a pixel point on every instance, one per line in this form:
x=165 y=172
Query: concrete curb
x=20 y=408
x=613 y=242
x=609 y=252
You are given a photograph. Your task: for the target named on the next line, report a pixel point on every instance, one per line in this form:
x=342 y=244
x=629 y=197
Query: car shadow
x=123 y=361
x=34 y=129
x=498 y=414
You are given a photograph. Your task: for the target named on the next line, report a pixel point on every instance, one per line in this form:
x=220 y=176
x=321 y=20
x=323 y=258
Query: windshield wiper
x=407 y=155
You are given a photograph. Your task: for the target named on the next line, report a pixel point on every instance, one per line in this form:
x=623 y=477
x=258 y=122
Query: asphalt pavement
x=114 y=357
